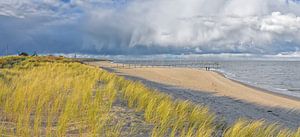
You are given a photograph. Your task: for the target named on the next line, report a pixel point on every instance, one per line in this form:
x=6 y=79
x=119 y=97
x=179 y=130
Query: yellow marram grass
x=52 y=96
x=169 y=117
x=243 y=128
x=41 y=96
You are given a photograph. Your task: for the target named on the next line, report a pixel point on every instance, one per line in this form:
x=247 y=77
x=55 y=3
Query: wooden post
x=6 y=51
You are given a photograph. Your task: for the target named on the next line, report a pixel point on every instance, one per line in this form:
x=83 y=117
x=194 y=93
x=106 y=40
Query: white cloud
x=279 y=23
x=207 y=26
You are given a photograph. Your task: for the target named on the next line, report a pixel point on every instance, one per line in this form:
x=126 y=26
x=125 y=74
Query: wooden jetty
x=127 y=64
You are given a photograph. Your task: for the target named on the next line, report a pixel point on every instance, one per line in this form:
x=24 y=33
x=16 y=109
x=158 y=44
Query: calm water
x=277 y=76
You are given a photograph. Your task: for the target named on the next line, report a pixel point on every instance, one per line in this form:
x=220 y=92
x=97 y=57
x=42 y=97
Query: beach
x=212 y=82
x=208 y=81
x=228 y=98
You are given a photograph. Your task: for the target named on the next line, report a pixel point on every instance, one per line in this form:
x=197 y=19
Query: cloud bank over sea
x=139 y=27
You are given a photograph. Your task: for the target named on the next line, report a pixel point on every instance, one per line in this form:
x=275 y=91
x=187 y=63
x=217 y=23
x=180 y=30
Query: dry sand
x=207 y=81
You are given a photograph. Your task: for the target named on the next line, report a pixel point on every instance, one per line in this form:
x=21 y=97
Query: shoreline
x=227 y=108
x=258 y=88
x=209 y=82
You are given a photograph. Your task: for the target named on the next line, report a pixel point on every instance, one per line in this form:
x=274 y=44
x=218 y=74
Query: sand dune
x=208 y=81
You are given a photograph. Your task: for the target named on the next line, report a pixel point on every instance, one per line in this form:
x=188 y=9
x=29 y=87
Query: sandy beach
x=228 y=99
x=208 y=81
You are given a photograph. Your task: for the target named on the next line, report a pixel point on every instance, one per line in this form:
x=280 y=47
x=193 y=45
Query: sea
x=277 y=76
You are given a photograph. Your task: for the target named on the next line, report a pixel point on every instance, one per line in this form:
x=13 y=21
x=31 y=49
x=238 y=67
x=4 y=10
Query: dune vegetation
x=56 y=96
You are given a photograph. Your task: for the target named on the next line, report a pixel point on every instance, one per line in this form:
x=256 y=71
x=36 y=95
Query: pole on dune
x=6 y=50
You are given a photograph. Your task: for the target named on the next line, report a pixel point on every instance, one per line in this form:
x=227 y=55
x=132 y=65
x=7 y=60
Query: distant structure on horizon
x=23 y=54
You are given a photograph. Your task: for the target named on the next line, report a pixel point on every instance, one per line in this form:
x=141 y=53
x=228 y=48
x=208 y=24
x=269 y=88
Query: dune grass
x=172 y=118
x=41 y=96
x=244 y=128
x=55 y=96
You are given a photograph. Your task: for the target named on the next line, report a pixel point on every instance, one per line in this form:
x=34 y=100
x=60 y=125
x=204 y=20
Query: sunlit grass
x=170 y=117
x=55 y=96
x=243 y=128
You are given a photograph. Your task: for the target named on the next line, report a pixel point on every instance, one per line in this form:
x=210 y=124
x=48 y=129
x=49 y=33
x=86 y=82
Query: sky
x=147 y=27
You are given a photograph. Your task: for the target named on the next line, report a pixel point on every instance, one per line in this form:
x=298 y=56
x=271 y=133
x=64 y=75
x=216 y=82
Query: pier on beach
x=127 y=64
